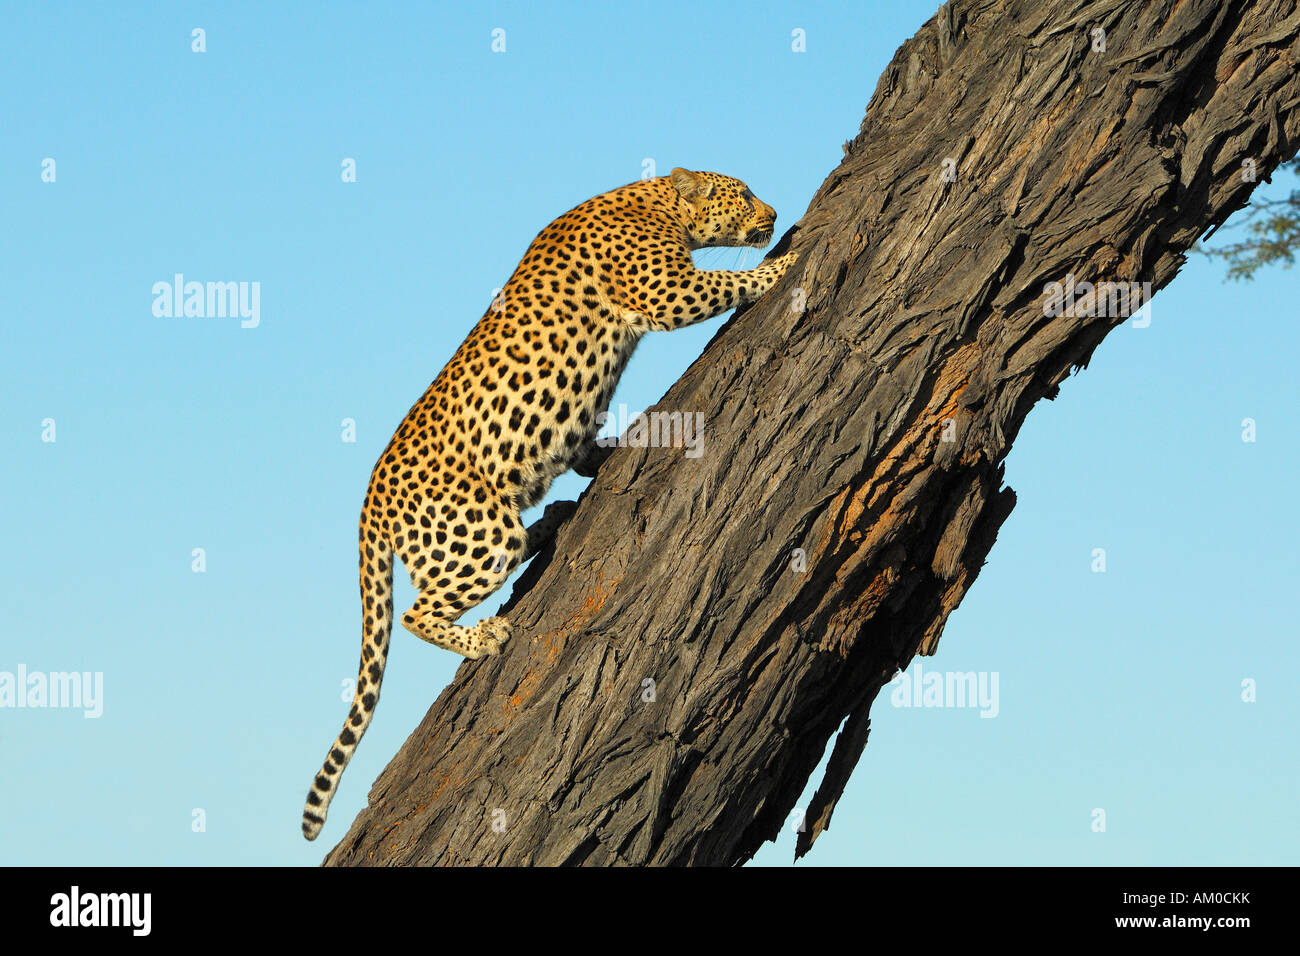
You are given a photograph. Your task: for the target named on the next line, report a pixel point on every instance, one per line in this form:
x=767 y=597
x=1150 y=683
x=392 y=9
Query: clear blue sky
x=221 y=692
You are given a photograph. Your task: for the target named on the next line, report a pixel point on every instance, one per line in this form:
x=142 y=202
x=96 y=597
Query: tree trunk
x=705 y=624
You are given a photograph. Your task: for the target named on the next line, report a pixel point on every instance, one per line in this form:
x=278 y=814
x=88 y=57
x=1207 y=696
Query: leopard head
x=718 y=210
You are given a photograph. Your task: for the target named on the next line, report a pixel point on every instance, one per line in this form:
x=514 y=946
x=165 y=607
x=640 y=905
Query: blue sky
x=1119 y=691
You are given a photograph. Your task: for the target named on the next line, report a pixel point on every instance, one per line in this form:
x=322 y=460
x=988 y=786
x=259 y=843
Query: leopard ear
x=689 y=185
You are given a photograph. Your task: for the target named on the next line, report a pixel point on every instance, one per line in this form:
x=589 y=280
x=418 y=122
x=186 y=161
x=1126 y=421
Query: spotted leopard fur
x=517 y=405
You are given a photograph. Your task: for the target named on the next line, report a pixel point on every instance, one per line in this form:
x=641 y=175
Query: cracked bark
x=922 y=310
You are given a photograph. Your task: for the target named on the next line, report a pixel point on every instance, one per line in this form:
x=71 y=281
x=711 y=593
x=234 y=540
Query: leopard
x=521 y=402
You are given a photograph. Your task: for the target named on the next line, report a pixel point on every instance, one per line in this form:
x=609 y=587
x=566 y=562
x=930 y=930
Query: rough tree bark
x=922 y=308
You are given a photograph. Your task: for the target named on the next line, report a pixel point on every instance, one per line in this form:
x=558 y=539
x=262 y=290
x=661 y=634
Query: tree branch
x=868 y=430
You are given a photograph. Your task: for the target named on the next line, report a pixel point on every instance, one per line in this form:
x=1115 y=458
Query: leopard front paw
x=783 y=263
